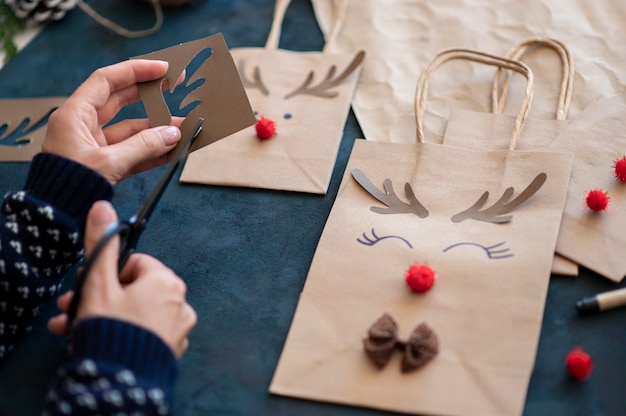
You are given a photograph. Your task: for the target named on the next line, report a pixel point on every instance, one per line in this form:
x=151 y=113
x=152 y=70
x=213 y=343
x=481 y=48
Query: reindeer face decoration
x=474 y=211
x=498 y=213
x=314 y=85
x=307 y=95
x=428 y=203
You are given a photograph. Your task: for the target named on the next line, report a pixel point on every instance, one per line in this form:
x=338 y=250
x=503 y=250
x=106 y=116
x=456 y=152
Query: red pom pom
x=620 y=169
x=578 y=364
x=597 y=200
x=265 y=128
x=420 y=277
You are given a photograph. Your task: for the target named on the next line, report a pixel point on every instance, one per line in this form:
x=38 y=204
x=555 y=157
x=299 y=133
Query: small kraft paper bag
x=596 y=238
x=485 y=222
x=301 y=100
x=23 y=126
x=484 y=131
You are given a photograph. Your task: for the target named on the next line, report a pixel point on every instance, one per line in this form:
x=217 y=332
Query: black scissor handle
x=124 y=230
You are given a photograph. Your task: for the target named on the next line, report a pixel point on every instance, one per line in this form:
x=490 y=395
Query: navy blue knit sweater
x=115 y=367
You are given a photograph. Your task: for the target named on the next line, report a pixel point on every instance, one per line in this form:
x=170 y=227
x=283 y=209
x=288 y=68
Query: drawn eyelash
x=370 y=241
x=492 y=251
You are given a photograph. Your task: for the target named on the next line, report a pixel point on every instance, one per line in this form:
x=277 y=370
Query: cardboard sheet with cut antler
x=307 y=95
x=213 y=90
x=23 y=126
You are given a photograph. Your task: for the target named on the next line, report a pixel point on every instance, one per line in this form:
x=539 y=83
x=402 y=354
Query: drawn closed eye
x=495 y=251
x=370 y=241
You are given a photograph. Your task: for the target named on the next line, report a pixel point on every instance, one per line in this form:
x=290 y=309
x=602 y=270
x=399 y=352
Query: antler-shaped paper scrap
x=389 y=197
x=256 y=82
x=502 y=206
x=321 y=89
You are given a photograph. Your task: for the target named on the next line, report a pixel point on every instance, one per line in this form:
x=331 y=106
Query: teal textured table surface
x=245 y=253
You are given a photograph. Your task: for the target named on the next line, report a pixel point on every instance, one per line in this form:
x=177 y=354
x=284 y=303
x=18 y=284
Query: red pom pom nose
x=265 y=128
x=597 y=200
x=420 y=277
x=620 y=169
x=578 y=364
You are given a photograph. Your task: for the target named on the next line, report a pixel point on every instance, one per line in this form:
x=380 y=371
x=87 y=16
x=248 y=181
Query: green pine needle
x=10 y=25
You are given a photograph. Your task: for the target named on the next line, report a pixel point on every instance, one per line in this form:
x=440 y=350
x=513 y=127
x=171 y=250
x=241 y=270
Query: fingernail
x=101 y=213
x=169 y=134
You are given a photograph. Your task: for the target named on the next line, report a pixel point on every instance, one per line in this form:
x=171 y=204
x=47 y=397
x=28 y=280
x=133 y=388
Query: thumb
x=146 y=145
x=101 y=216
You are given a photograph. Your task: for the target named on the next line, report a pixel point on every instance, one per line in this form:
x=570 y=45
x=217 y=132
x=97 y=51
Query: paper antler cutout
x=389 y=197
x=421 y=347
x=321 y=89
x=492 y=214
x=502 y=205
x=256 y=83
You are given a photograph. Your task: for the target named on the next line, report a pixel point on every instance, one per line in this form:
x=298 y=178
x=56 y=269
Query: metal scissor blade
x=142 y=215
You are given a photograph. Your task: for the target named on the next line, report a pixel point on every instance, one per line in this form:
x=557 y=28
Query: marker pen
x=602 y=301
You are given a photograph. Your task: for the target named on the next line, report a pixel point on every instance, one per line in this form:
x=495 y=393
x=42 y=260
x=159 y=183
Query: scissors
x=131 y=229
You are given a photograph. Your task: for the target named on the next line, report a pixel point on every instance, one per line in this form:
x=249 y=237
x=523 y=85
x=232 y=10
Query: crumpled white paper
x=400 y=36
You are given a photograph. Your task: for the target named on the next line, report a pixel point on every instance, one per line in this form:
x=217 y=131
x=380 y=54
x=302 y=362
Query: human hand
x=76 y=129
x=146 y=293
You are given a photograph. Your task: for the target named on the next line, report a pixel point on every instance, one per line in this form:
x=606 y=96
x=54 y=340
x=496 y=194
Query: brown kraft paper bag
x=307 y=95
x=597 y=138
x=485 y=221
x=484 y=131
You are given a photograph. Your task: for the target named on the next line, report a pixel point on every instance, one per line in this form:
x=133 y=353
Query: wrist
x=67 y=185
x=123 y=344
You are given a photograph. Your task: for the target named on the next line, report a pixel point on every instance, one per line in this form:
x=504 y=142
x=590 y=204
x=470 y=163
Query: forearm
x=41 y=234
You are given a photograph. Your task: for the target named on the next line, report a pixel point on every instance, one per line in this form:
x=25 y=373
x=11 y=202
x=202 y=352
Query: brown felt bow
x=421 y=347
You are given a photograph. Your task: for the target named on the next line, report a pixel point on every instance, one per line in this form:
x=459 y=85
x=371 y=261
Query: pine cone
x=171 y=3
x=41 y=11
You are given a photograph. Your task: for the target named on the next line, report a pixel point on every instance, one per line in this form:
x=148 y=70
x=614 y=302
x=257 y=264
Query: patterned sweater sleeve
x=116 y=368
x=41 y=237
